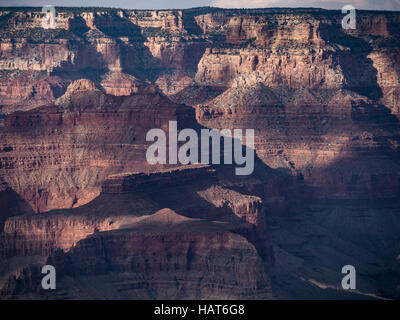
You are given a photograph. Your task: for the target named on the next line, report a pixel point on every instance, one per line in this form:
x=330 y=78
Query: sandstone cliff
x=212 y=47
x=149 y=252
x=58 y=155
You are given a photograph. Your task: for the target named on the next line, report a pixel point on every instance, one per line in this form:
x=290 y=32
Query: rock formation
x=162 y=244
x=64 y=151
x=76 y=190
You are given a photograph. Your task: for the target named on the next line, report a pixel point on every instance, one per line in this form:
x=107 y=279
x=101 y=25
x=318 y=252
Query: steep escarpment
x=189 y=258
x=57 y=156
x=130 y=45
x=11 y=203
x=306 y=51
x=344 y=144
x=123 y=240
x=204 y=264
x=177 y=49
x=129 y=197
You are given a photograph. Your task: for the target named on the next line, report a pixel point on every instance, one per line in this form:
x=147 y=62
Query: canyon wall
x=143 y=251
x=58 y=155
x=177 y=49
x=76 y=190
x=296 y=64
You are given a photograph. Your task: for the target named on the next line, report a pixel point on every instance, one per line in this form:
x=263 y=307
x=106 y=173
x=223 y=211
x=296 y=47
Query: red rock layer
x=342 y=144
x=57 y=156
x=296 y=48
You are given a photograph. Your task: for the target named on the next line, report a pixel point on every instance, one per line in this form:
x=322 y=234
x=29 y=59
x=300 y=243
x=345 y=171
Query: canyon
x=77 y=192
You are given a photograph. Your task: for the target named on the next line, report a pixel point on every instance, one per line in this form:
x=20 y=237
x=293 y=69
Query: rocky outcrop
x=211 y=243
x=120 y=84
x=188 y=258
x=328 y=137
x=125 y=43
x=25 y=91
x=174 y=48
x=209 y=264
x=37 y=235
x=127 y=198
x=248 y=208
x=57 y=156
x=168 y=178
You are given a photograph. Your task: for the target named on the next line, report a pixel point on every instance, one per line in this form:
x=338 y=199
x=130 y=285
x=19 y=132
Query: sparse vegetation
x=35 y=35
x=155 y=32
